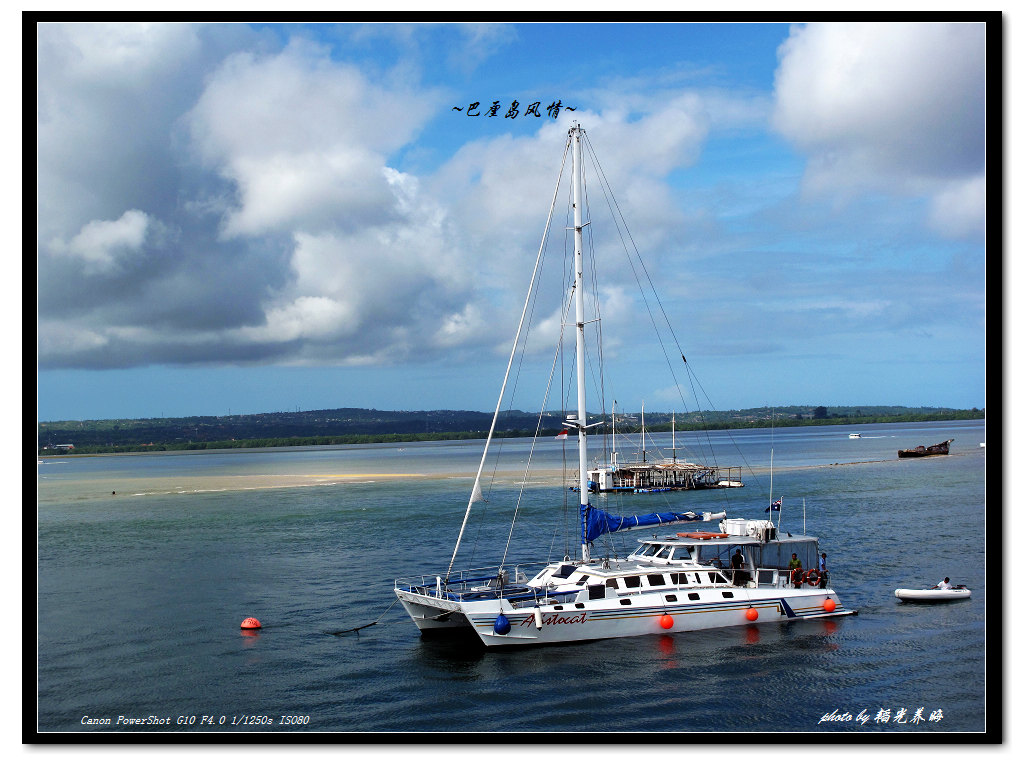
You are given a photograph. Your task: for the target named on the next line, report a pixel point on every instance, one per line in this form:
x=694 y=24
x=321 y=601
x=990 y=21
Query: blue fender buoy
x=502 y=625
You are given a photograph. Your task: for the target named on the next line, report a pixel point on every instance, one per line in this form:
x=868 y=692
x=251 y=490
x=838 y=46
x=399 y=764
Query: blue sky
x=245 y=219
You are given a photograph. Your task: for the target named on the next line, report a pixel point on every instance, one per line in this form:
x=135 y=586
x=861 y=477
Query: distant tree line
x=360 y=426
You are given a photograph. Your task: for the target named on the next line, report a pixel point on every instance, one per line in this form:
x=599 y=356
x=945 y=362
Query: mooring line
x=367 y=625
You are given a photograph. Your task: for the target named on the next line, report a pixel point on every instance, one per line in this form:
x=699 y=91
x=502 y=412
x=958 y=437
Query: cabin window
x=664 y=553
x=697 y=575
x=558 y=608
x=595 y=591
x=680 y=554
x=632 y=582
x=582 y=580
x=726 y=594
x=716 y=577
x=625 y=601
x=655 y=579
x=566 y=570
x=653 y=550
x=679 y=578
x=694 y=596
x=611 y=582
x=578 y=605
x=670 y=597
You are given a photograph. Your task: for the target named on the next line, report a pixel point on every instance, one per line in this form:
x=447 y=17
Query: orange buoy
x=751 y=614
x=829 y=605
x=667 y=621
x=250 y=623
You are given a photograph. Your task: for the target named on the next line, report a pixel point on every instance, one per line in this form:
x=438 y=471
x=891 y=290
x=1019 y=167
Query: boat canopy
x=595 y=522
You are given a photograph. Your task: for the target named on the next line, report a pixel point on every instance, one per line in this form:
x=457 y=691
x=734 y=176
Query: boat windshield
x=673 y=552
x=681 y=553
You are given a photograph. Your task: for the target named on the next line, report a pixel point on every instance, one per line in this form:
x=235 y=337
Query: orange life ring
x=812 y=577
x=796 y=576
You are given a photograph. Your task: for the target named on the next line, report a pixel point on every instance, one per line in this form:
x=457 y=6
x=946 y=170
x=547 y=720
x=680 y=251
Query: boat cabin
x=686 y=560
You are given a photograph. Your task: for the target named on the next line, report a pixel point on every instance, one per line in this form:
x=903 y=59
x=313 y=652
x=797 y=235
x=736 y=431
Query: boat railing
x=483 y=582
x=779 y=578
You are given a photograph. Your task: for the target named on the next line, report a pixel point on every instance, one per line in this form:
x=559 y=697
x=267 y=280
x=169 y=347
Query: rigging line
x=519 y=350
x=728 y=432
x=606 y=188
x=533 y=446
x=616 y=218
x=522 y=319
x=599 y=325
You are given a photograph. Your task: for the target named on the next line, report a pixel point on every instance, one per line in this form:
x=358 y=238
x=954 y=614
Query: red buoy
x=751 y=614
x=829 y=605
x=667 y=621
x=250 y=623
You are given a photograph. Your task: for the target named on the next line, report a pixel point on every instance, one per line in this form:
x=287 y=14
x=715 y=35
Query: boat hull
x=928 y=594
x=620 y=617
x=932 y=451
x=432 y=614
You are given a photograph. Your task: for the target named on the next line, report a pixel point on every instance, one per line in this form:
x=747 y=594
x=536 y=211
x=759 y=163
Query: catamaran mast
x=615 y=456
x=643 y=433
x=576 y=134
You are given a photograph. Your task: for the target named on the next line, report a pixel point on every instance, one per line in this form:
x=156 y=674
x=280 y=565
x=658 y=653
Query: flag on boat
x=563 y=434
x=776 y=506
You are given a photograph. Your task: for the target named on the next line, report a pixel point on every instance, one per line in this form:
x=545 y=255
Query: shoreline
x=384 y=444
x=91 y=489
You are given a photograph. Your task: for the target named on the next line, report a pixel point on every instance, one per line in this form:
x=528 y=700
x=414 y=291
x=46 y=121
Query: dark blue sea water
x=141 y=593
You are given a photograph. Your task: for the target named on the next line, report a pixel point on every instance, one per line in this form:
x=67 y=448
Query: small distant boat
x=932 y=594
x=935 y=449
x=854 y=436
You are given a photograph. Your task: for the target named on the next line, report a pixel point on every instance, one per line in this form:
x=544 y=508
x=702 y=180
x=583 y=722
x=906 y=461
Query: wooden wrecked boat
x=935 y=449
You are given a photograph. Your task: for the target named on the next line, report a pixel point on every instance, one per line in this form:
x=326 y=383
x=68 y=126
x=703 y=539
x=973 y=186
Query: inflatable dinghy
x=932 y=594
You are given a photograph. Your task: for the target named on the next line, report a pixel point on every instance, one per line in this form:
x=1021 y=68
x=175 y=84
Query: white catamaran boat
x=737 y=574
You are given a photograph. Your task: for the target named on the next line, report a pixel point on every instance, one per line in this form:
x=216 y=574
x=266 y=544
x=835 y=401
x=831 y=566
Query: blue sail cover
x=596 y=522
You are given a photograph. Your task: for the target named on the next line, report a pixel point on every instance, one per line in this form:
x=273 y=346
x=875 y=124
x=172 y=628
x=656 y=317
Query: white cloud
x=304 y=139
x=895 y=107
x=958 y=210
x=117 y=54
x=239 y=201
x=102 y=244
x=291 y=236
x=65 y=339
x=314 y=317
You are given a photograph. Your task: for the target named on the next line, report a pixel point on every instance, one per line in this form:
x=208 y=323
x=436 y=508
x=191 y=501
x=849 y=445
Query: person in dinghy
x=944 y=585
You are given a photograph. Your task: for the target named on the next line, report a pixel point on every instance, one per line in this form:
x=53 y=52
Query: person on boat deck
x=823 y=571
x=944 y=585
x=738 y=575
x=796 y=567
